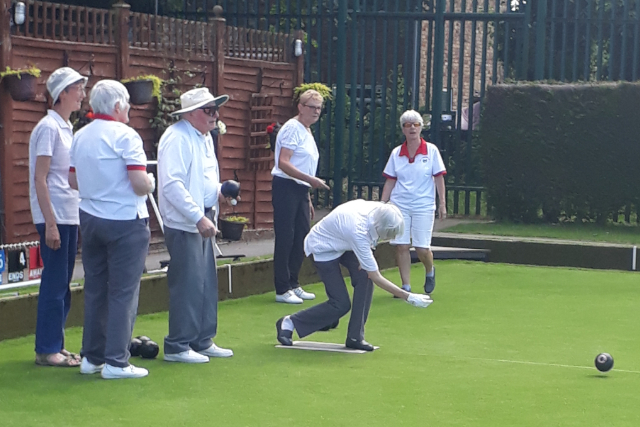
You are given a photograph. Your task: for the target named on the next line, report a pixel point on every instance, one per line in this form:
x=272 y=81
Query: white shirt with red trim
x=349 y=227
x=415 y=187
x=294 y=136
x=101 y=154
x=52 y=138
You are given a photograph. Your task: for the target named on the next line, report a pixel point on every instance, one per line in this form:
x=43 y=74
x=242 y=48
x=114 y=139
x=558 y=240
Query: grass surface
x=501 y=346
x=623 y=234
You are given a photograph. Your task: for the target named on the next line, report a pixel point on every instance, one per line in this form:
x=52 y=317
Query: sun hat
x=197 y=98
x=60 y=79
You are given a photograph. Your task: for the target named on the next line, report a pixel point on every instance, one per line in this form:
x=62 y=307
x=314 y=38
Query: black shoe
x=331 y=326
x=358 y=345
x=430 y=283
x=283 y=336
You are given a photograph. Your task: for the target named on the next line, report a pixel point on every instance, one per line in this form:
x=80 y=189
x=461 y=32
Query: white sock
x=287 y=324
x=432 y=272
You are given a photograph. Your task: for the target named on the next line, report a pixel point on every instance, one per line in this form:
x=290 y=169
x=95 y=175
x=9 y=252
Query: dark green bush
x=553 y=152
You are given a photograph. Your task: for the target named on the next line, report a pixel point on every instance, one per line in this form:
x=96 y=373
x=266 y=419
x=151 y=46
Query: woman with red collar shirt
x=415 y=173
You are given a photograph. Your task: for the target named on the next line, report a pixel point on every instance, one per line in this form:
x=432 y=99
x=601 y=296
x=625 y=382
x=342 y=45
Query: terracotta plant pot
x=231 y=230
x=23 y=88
x=140 y=91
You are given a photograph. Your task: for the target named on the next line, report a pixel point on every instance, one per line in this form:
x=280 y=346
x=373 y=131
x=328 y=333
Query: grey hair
x=106 y=94
x=411 y=116
x=388 y=221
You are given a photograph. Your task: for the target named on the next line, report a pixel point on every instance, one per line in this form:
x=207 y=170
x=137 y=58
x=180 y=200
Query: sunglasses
x=409 y=125
x=209 y=111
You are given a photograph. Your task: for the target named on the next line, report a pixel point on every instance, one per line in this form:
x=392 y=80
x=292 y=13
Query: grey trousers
x=193 y=292
x=314 y=318
x=113 y=255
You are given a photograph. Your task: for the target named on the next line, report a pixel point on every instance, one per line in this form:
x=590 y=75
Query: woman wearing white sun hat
x=54 y=208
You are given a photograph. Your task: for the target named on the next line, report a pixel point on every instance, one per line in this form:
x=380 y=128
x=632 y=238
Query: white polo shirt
x=294 y=136
x=349 y=227
x=52 y=137
x=185 y=163
x=415 y=187
x=102 y=153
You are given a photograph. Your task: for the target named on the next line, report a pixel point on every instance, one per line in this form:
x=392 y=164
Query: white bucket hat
x=60 y=79
x=197 y=98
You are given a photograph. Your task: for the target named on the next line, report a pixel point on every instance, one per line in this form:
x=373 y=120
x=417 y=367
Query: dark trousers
x=113 y=255
x=291 y=224
x=54 y=298
x=314 y=318
x=193 y=291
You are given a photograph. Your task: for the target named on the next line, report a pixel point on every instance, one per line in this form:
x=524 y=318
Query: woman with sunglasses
x=415 y=172
x=294 y=173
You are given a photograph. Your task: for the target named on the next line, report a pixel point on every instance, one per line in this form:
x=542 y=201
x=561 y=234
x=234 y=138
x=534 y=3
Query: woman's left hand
x=442 y=211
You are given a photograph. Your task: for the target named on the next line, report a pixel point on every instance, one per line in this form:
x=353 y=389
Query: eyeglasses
x=313 y=107
x=409 y=125
x=209 y=111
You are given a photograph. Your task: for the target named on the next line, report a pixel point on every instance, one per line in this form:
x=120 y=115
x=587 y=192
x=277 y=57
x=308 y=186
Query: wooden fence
x=117 y=44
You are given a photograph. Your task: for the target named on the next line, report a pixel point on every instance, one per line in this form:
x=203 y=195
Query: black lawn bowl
x=604 y=362
x=149 y=350
x=230 y=188
x=143 y=338
x=134 y=347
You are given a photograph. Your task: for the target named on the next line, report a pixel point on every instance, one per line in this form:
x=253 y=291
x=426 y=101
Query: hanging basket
x=231 y=230
x=140 y=91
x=21 y=88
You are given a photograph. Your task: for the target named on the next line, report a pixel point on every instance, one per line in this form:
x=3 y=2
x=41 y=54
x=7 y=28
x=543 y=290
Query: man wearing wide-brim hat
x=189 y=194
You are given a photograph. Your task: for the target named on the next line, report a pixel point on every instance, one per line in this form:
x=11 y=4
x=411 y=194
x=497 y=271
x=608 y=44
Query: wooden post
x=299 y=76
x=218 y=82
x=6 y=121
x=123 y=11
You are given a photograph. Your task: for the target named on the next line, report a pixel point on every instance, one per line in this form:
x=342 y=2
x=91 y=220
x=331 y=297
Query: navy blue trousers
x=54 y=299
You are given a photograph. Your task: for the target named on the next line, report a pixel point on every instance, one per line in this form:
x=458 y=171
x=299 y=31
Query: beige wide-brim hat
x=198 y=98
x=60 y=79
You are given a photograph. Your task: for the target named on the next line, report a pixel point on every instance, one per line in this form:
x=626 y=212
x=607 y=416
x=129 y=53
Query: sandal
x=50 y=359
x=71 y=355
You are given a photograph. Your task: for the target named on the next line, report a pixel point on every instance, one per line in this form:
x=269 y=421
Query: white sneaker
x=289 y=297
x=113 y=372
x=300 y=293
x=88 y=368
x=188 y=356
x=215 y=351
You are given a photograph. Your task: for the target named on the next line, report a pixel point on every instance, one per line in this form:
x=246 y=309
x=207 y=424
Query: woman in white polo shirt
x=414 y=172
x=109 y=168
x=54 y=208
x=294 y=173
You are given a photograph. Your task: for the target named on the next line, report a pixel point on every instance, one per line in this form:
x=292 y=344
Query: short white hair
x=411 y=116
x=106 y=94
x=388 y=221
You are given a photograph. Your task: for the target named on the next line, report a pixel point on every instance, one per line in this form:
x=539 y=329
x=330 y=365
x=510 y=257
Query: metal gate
x=385 y=56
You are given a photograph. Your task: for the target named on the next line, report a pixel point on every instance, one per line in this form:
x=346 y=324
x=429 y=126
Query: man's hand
x=206 y=227
x=52 y=236
x=418 y=300
x=318 y=183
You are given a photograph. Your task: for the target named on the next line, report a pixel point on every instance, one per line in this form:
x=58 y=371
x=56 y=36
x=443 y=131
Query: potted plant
x=21 y=83
x=144 y=88
x=322 y=89
x=232 y=226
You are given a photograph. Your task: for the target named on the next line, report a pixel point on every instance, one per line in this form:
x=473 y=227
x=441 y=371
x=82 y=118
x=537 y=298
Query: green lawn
x=501 y=345
x=623 y=234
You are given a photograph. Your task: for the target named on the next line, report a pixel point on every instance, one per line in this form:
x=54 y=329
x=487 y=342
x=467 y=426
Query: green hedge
x=553 y=152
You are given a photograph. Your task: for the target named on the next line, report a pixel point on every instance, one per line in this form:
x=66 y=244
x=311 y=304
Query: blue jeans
x=54 y=299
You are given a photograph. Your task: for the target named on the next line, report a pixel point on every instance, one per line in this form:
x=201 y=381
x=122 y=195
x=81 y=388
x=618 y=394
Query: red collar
x=422 y=149
x=94 y=116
